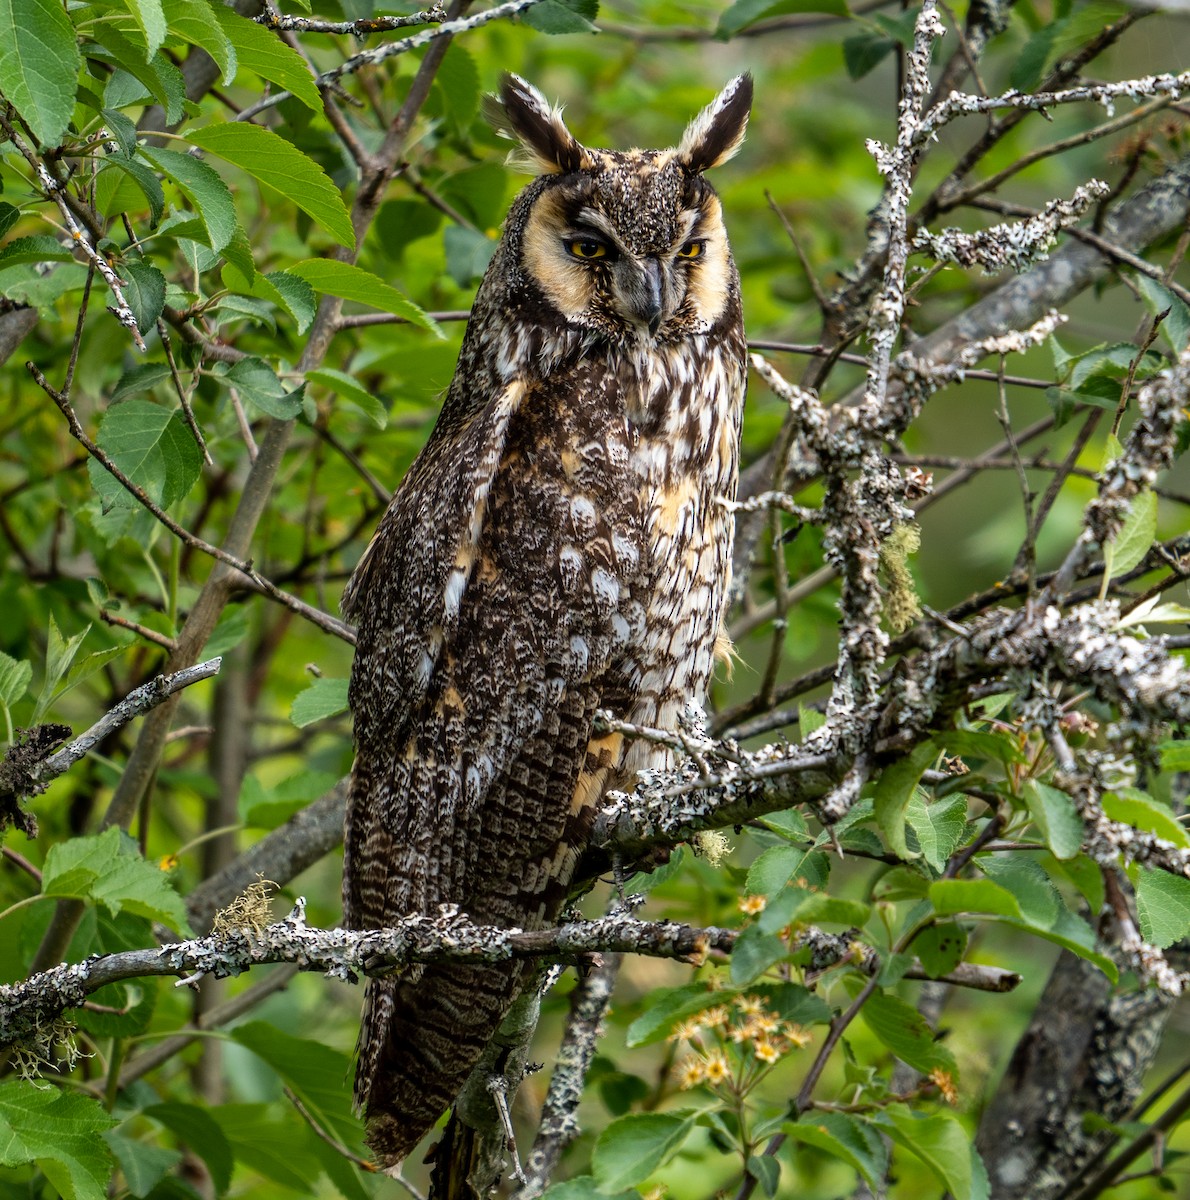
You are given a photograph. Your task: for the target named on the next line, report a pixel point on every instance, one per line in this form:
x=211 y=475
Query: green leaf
x=940 y=947
x=894 y=790
x=1138 y=533
x=145 y=179
x=1137 y=808
x=942 y=1144
x=108 y=869
x=864 y=52
x=59 y=655
x=153 y=446
x=765 y=1169
x=818 y=908
x=352 y=393
x=263 y=53
x=1053 y=813
x=754 y=952
x=39 y=65
x=280 y=165
x=849 y=1138
x=314 y=1070
x=939 y=826
x=562 y=16
x=61 y=1133
x=9 y=216
x=158 y=77
x=981 y=745
x=15 y=677
x=1163 y=907
x=584 y=1187
x=1073 y=934
x=150 y=20
x=258 y=383
x=145 y=292
x=205 y=190
x=773 y=869
x=323 y=698
x=458 y=80
x=1175 y=756
x=666 y=1009
x=198 y=23
x=38 y=248
x=131 y=1004
x=143 y=1164
x=1024 y=877
x=902 y=1029
x=747 y=12
x=271 y=1141
x=468 y=252
x=266 y=808
x=354 y=283
x=631 y=1148
x=139 y=379
x=973 y=896
x=1159 y=299
x=194 y=1127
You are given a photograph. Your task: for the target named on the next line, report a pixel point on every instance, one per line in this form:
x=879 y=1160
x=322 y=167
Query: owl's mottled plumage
x=561 y=545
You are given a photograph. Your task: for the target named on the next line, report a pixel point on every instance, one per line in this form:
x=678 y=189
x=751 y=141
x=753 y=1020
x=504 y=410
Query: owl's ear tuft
x=718 y=131
x=521 y=112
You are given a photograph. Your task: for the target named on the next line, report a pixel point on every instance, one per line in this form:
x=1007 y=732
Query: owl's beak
x=643 y=298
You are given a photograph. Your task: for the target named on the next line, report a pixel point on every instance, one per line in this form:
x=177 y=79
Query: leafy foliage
x=293 y=251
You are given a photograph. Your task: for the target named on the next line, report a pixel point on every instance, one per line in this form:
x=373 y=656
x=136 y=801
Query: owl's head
x=628 y=245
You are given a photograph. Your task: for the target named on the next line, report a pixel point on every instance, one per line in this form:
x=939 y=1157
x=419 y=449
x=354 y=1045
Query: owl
x=561 y=545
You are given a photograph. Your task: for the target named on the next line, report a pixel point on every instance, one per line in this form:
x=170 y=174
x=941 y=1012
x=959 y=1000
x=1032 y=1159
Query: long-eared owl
x=561 y=545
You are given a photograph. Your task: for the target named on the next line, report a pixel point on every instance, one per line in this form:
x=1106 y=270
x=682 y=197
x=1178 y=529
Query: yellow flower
x=716 y=1067
x=718 y=1015
x=943 y=1081
x=797 y=1035
x=691 y=1072
x=749 y=1004
x=766 y=1051
x=751 y=905
x=686 y=1031
x=766 y=1022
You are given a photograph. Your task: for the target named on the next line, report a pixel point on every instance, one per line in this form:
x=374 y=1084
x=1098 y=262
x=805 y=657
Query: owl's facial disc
x=629 y=254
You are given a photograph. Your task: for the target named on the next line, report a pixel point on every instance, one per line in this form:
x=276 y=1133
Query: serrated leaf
x=39 y=65
x=145 y=179
x=150 y=20
x=144 y=1165
x=314 y=1070
x=350 y=282
x=158 y=77
x=59 y=655
x=195 y=1128
x=323 y=698
x=275 y=1144
x=258 y=383
x=949 y=896
x=817 y=908
x=9 y=216
x=280 y=165
x=940 y=947
x=38 y=248
x=15 y=677
x=773 y=869
x=765 y=1169
x=1163 y=907
x=904 y=1031
x=843 y=1136
x=119 y=1009
x=981 y=744
x=139 y=379
x=562 y=16
x=202 y=186
x=1159 y=299
x=145 y=292
x=632 y=1147
x=349 y=390
x=942 y=1144
x=196 y=22
x=1138 y=533
x=939 y=827
x=60 y=1132
x=894 y=790
x=468 y=252
x=1136 y=808
x=458 y=80
x=262 y=52
x=1023 y=876
x=153 y=446
x=666 y=1008
x=754 y=952
x=1054 y=814
x=107 y=869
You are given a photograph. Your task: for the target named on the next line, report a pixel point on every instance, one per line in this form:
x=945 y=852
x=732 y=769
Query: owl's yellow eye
x=692 y=249
x=586 y=248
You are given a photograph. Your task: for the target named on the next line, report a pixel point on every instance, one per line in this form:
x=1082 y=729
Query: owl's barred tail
x=419 y=1040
